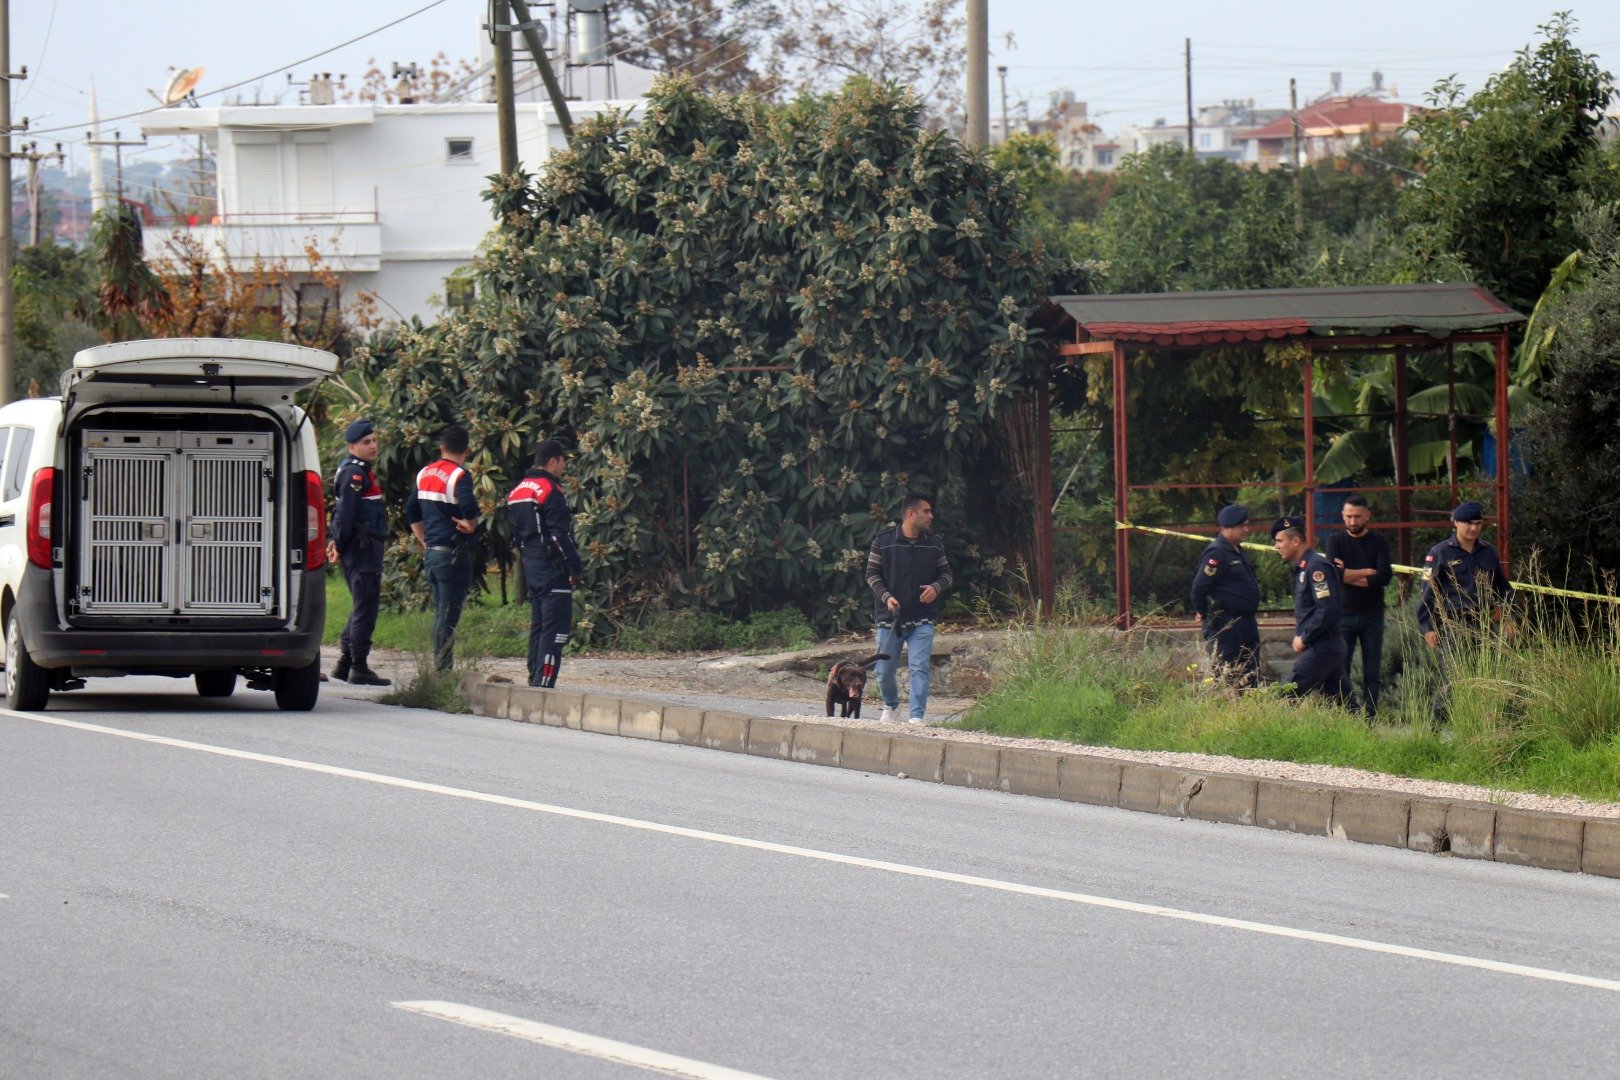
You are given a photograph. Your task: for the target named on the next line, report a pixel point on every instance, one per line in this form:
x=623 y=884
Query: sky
x=1124 y=60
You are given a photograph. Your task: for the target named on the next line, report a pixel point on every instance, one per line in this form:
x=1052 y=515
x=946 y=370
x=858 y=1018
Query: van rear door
x=201 y=370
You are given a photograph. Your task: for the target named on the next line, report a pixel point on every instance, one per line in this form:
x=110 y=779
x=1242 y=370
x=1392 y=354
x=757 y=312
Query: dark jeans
x=1367 y=629
x=551 y=613
x=450 y=574
x=365 y=585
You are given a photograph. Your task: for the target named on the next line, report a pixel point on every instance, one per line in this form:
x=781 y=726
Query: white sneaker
x=886 y=716
x=915 y=720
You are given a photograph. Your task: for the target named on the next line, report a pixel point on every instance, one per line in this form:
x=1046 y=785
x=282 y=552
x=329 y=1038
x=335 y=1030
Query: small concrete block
x=971 y=765
x=770 y=738
x=527 y=705
x=1228 y=799
x=1089 y=780
x=725 y=731
x=1299 y=808
x=497 y=700
x=1426 y=830
x=1550 y=841
x=639 y=721
x=682 y=725
x=600 y=714
x=1030 y=772
x=867 y=751
x=1149 y=788
x=1472 y=829
x=817 y=744
x=1371 y=817
x=1600 y=849
x=918 y=758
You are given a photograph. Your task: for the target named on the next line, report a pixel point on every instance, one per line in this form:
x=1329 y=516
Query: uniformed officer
x=359 y=525
x=443 y=515
x=544 y=530
x=1463 y=586
x=1226 y=595
x=1318 y=599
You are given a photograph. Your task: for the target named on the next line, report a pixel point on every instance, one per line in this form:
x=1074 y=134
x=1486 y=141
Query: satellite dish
x=181 y=84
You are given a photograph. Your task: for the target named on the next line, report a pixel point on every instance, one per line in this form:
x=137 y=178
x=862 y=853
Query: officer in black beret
x=1318 y=596
x=1225 y=597
x=359 y=527
x=1464 y=585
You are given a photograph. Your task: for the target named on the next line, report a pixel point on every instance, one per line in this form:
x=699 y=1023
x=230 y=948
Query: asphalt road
x=201 y=911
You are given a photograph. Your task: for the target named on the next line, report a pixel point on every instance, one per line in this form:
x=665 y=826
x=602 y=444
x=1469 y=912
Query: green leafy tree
x=1501 y=168
x=758 y=327
x=128 y=292
x=54 y=291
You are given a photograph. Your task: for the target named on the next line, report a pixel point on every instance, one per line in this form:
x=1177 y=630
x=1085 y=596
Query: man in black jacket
x=1362 y=557
x=359 y=527
x=544 y=530
x=1226 y=595
x=908 y=572
x=1318 y=645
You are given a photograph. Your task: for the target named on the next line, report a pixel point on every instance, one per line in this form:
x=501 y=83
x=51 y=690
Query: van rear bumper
x=157 y=652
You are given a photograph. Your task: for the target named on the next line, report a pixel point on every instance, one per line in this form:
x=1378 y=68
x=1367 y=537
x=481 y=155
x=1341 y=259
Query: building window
x=1105 y=157
x=1204 y=141
x=458 y=151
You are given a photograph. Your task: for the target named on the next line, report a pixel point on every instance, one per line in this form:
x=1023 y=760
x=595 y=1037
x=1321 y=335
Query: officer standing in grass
x=1464 y=589
x=443 y=515
x=1362 y=557
x=1318 y=597
x=359 y=526
x=544 y=531
x=1225 y=597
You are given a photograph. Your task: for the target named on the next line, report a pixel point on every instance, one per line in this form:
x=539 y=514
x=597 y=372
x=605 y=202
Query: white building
x=389 y=195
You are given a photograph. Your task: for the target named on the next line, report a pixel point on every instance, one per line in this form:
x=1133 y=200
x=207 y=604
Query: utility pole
x=1299 y=199
x=1188 y=66
x=8 y=339
x=978 y=73
x=117 y=142
x=505 y=102
x=530 y=29
x=30 y=153
x=1002 y=71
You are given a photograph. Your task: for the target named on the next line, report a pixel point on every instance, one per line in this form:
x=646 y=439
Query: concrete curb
x=1472 y=830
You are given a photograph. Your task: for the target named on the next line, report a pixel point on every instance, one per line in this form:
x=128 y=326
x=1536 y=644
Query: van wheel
x=28 y=686
x=215 y=683
x=297 y=688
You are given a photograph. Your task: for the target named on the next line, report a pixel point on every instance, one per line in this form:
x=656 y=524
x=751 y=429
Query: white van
x=166 y=516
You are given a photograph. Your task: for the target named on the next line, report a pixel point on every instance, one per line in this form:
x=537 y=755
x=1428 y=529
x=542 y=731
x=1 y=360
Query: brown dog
x=847 y=682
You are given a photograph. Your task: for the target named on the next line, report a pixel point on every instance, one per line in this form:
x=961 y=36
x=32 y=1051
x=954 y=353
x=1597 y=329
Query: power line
x=265 y=75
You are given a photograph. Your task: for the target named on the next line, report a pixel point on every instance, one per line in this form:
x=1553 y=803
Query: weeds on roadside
x=426 y=687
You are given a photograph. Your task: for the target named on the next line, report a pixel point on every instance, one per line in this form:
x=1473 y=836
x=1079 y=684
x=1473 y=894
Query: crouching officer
x=1226 y=595
x=544 y=530
x=359 y=526
x=1318 y=600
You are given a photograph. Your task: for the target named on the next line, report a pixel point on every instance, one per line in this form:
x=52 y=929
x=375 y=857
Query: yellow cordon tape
x=1547 y=590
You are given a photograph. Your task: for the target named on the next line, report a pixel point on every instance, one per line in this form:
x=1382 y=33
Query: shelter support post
x=1403 y=468
x=1122 y=510
x=1503 y=451
x=1310 y=446
x=1045 y=568
x=1451 y=421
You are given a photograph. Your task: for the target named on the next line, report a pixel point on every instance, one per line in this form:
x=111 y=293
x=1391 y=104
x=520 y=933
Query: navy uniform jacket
x=359 y=521
x=1451 y=582
x=443 y=492
x=542 y=524
x=1225 y=581
x=1318 y=599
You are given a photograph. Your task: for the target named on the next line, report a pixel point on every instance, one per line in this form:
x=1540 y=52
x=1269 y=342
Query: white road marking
x=576 y=1042
x=1361 y=944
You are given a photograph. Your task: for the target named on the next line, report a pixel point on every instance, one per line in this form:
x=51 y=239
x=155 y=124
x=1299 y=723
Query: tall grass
x=1535 y=711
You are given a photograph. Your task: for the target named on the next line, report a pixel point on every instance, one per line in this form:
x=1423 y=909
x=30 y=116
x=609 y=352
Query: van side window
x=16 y=461
x=5 y=437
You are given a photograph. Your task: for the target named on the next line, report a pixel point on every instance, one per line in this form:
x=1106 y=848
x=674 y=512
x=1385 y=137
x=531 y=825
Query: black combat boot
x=361 y=675
x=341 y=672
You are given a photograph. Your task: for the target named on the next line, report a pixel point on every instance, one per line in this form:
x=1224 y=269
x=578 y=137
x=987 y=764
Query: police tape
x=1417 y=571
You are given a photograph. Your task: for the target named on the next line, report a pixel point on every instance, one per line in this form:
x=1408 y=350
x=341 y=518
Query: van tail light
x=41 y=497
x=315 y=522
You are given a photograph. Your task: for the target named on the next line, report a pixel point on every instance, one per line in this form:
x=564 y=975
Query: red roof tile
x=1350 y=115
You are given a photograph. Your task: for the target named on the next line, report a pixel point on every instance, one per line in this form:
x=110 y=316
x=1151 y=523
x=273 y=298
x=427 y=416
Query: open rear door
x=204 y=370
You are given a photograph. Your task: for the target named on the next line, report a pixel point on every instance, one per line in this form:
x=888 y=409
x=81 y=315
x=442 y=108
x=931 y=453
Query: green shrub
x=689 y=630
